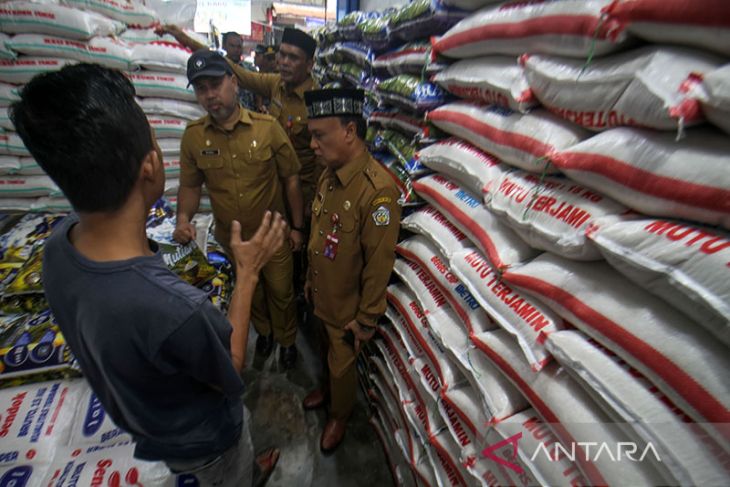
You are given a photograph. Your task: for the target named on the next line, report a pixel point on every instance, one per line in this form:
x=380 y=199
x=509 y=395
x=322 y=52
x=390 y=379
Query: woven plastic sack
x=131 y=12
x=23 y=69
x=166 y=126
x=5 y=51
x=430 y=222
x=161 y=56
x=162 y=85
x=716 y=100
x=410 y=58
x=109 y=52
x=409 y=92
x=173 y=108
x=8 y=94
x=424 y=18
x=54 y=19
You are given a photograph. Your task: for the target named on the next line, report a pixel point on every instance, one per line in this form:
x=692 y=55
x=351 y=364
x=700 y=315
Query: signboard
x=227 y=15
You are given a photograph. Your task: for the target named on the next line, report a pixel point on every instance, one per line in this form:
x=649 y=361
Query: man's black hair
x=86 y=131
x=230 y=34
x=360 y=124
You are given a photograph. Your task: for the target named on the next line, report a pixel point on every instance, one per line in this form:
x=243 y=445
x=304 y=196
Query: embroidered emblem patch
x=381 y=216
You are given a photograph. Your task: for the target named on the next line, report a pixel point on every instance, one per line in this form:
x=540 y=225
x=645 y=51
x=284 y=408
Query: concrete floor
x=274 y=398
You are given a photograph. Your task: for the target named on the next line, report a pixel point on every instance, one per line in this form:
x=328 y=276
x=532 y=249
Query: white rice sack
x=461 y=437
x=686 y=265
x=524 y=317
x=5 y=51
x=27 y=186
x=20 y=204
x=567 y=28
x=550 y=213
x=716 y=101
x=648 y=87
x=161 y=56
x=573 y=415
x=93 y=426
x=496 y=80
x=167 y=126
x=131 y=12
x=12 y=144
x=172 y=166
x=700 y=23
x=162 y=85
x=430 y=222
x=107 y=51
x=411 y=58
x=446 y=456
x=9 y=164
x=30 y=167
x=5 y=121
x=386 y=437
x=684 y=361
x=521 y=140
x=627 y=394
x=463 y=162
x=148 y=35
x=37 y=419
x=8 y=94
x=403 y=331
x=464 y=401
x=532 y=434
x=112 y=465
x=496 y=240
x=173 y=108
x=54 y=19
x=23 y=69
x=394 y=358
x=445 y=373
x=649 y=172
x=170 y=147
x=423 y=252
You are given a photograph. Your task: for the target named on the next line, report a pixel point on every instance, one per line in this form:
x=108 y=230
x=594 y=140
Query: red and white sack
x=679 y=356
x=170 y=147
x=162 y=85
x=503 y=247
x=27 y=187
x=566 y=28
x=11 y=143
x=686 y=265
x=446 y=457
x=8 y=94
x=521 y=140
x=37 y=419
x=5 y=51
x=161 y=56
x=404 y=332
x=573 y=415
x=525 y=318
x=385 y=435
x=464 y=401
x=700 y=23
x=9 y=164
x=53 y=19
x=23 y=69
x=530 y=433
x=460 y=437
x=131 y=12
x=166 y=126
x=30 y=167
x=172 y=166
x=496 y=80
x=173 y=108
x=93 y=426
x=399 y=121
x=394 y=358
x=112 y=465
x=107 y=51
x=628 y=396
x=463 y=162
x=716 y=99
x=411 y=58
x=426 y=254
x=649 y=172
x=430 y=222
x=550 y=213
x=648 y=87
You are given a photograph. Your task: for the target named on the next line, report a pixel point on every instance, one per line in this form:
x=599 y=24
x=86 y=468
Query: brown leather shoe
x=314 y=399
x=334 y=432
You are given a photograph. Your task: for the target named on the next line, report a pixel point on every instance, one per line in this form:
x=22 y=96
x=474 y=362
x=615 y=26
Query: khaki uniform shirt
x=291 y=112
x=241 y=168
x=363 y=201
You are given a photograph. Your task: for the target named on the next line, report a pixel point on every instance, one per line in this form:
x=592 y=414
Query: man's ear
x=151 y=164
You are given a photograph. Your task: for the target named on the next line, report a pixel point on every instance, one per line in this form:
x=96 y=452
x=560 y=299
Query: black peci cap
x=205 y=62
x=339 y=102
x=300 y=39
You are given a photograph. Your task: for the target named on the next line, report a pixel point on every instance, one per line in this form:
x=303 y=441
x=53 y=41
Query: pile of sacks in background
x=567 y=284
x=54 y=430
x=38 y=37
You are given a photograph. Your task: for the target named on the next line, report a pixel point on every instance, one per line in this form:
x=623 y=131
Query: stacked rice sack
x=567 y=281
x=37 y=37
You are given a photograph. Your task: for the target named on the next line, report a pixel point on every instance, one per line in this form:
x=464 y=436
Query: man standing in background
x=249 y=166
x=355 y=223
x=265 y=58
x=286 y=91
x=233 y=45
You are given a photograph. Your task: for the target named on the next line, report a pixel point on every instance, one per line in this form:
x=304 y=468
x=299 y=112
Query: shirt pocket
x=209 y=162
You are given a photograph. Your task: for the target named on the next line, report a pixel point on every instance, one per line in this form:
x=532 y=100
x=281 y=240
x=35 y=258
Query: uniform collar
x=243 y=117
x=350 y=169
x=306 y=85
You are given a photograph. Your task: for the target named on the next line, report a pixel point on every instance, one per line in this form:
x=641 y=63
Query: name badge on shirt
x=210 y=152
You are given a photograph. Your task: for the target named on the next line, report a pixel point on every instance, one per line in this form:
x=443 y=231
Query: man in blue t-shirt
x=164 y=362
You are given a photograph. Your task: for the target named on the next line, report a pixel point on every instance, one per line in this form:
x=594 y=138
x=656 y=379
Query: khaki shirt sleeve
x=190 y=174
x=262 y=84
x=378 y=245
x=287 y=162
